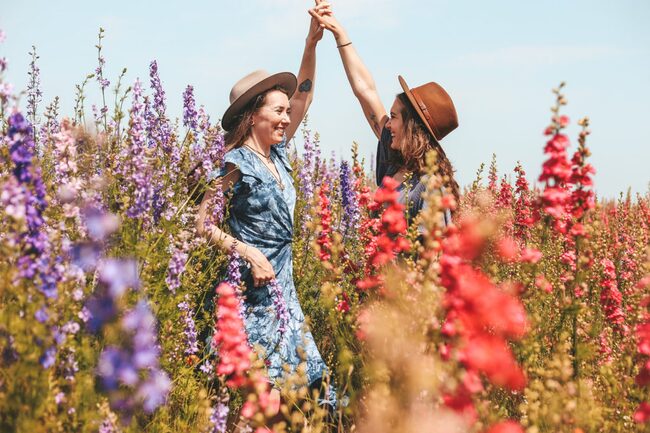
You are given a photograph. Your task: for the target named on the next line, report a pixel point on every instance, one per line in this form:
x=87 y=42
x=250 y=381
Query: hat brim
x=285 y=79
x=416 y=107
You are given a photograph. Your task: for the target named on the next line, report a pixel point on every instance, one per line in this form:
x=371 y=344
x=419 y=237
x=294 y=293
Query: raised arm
x=301 y=99
x=361 y=81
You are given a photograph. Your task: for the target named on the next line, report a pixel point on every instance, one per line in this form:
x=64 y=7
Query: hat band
x=426 y=113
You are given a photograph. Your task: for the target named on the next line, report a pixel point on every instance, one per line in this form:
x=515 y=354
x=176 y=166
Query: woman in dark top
x=419 y=118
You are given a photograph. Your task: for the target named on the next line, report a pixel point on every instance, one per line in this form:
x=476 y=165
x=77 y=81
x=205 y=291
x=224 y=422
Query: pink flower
x=230 y=338
x=642 y=413
x=506 y=427
x=531 y=255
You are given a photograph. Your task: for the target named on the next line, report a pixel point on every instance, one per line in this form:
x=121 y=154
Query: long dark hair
x=241 y=129
x=415 y=144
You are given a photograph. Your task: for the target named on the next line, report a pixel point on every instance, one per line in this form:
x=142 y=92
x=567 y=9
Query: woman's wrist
x=341 y=38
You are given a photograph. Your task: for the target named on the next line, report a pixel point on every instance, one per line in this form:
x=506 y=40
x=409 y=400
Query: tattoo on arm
x=375 y=124
x=305 y=86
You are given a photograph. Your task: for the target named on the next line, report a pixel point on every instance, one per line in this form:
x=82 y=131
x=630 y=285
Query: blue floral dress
x=261 y=215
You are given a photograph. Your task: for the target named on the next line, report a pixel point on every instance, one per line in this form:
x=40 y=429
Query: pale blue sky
x=497 y=59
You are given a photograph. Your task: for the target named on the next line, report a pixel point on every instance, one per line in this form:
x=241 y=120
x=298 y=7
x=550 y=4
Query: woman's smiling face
x=272 y=119
x=395 y=124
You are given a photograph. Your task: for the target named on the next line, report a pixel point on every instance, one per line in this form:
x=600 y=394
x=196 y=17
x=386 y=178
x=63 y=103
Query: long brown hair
x=241 y=129
x=417 y=141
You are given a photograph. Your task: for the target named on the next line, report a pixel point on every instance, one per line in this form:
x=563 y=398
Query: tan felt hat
x=250 y=86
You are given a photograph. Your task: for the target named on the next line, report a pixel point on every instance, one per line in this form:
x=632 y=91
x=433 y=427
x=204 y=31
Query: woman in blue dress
x=419 y=118
x=264 y=113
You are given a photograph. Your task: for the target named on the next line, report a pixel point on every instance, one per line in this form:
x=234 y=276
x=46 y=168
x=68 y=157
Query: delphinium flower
x=13 y=201
x=191 y=346
x=556 y=171
x=34 y=94
x=233 y=274
x=306 y=171
x=51 y=125
x=230 y=338
x=65 y=154
x=504 y=195
x=642 y=414
x=158 y=125
x=215 y=208
x=134 y=365
x=582 y=198
x=351 y=213
x=480 y=317
x=103 y=82
x=506 y=427
x=176 y=267
x=218 y=418
x=207 y=154
x=138 y=171
x=35 y=243
x=390 y=239
x=524 y=213
x=611 y=298
x=324 y=240
x=280 y=305
x=190 y=116
x=114 y=277
x=493 y=175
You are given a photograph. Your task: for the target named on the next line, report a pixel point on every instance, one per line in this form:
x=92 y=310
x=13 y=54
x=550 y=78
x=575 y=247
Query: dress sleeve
x=238 y=157
x=383 y=166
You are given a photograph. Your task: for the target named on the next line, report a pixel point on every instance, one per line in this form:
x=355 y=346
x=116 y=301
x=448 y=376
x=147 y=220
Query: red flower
x=230 y=337
x=506 y=427
x=642 y=414
x=324 y=241
x=491 y=355
x=611 y=298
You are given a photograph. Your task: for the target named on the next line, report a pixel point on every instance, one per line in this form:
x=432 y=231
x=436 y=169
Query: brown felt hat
x=250 y=86
x=434 y=106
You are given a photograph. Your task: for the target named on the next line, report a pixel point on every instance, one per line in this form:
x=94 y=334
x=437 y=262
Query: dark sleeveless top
x=411 y=190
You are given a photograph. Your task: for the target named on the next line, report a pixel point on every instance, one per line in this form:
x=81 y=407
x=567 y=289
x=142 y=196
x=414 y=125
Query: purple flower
x=153 y=392
x=135 y=365
x=119 y=274
x=34 y=94
x=99 y=223
x=158 y=124
x=351 y=212
x=59 y=398
x=35 y=258
x=86 y=255
x=176 y=268
x=280 y=304
x=190 y=116
x=99 y=309
x=48 y=358
x=114 y=367
x=142 y=324
x=69 y=366
x=219 y=417
x=136 y=168
x=306 y=172
x=41 y=315
x=191 y=346
x=233 y=273
x=70 y=327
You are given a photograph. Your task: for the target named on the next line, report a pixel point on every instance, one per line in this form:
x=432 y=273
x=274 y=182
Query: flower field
x=529 y=314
